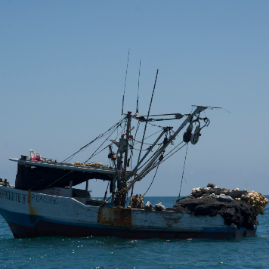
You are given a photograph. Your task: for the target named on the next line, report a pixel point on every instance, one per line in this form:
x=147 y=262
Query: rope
x=100 y=151
x=147 y=118
x=137 y=127
x=151 y=181
x=59 y=179
x=149 y=110
x=148 y=115
x=98 y=137
x=167 y=156
x=131 y=184
x=148 y=137
x=113 y=128
x=183 y=172
x=132 y=149
x=173 y=152
x=139 y=149
x=106 y=192
x=100 y=146
x=156 y=125
x=142 y=165
x=37 y=184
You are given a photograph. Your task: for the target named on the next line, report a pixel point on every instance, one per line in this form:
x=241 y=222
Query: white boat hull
x=31 y=214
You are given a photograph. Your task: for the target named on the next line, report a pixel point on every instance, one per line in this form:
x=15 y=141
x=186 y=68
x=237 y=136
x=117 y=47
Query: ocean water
x=111 y=252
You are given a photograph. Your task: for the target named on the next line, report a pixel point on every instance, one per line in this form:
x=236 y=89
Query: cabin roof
x=67 y=166
x=37 y=175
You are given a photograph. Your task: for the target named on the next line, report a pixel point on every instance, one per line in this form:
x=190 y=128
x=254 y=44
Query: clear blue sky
x=62 y=75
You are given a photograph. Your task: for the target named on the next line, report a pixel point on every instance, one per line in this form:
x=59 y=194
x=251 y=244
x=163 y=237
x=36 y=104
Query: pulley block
x=195 y=135
x=187 y=134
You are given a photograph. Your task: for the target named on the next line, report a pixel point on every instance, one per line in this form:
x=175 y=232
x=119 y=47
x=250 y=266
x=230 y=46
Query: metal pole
x=86 y=190
x=124 y=179
x=129 y=118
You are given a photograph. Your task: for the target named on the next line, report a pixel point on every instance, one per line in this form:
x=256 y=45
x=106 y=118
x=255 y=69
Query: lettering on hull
x=24 y=198
x=13 y=196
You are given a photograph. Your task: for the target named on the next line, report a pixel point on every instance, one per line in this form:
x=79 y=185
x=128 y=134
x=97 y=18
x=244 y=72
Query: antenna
x=137 y=100
x=148 y=116
x=125 y=83
x=145 y=128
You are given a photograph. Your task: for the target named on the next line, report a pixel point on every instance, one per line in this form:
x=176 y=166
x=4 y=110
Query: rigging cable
x=183 y=172
x=58 y=179
x=95 y=139
x=101 y=145
x=145 y=172
x=154 y=154
x=94 y=154
x=151 y=181
x=131 y=184
x=125 y=83
x=156 y=125
x=106 y=192
x=149 y=137
x=147 y=118
x=167 y=156
x=137 y=100
x=137 y=127
x=156 y=163
x=132 y=152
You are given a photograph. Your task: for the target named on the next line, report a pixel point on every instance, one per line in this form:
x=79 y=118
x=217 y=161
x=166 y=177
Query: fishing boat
x=45 y=202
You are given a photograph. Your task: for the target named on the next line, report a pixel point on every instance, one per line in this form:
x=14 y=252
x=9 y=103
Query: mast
x=121 y=198
x=129 y=119
x=165 y=129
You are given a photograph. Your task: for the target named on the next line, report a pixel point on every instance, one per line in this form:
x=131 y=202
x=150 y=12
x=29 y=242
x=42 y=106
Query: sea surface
x=111 y=252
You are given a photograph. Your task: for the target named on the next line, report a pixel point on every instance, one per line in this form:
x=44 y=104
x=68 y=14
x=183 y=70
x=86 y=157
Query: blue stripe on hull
x=24 y=226
x=19 y=218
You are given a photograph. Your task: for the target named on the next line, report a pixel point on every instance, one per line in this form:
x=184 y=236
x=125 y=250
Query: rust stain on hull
x=32 y=210
x=115 y=216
